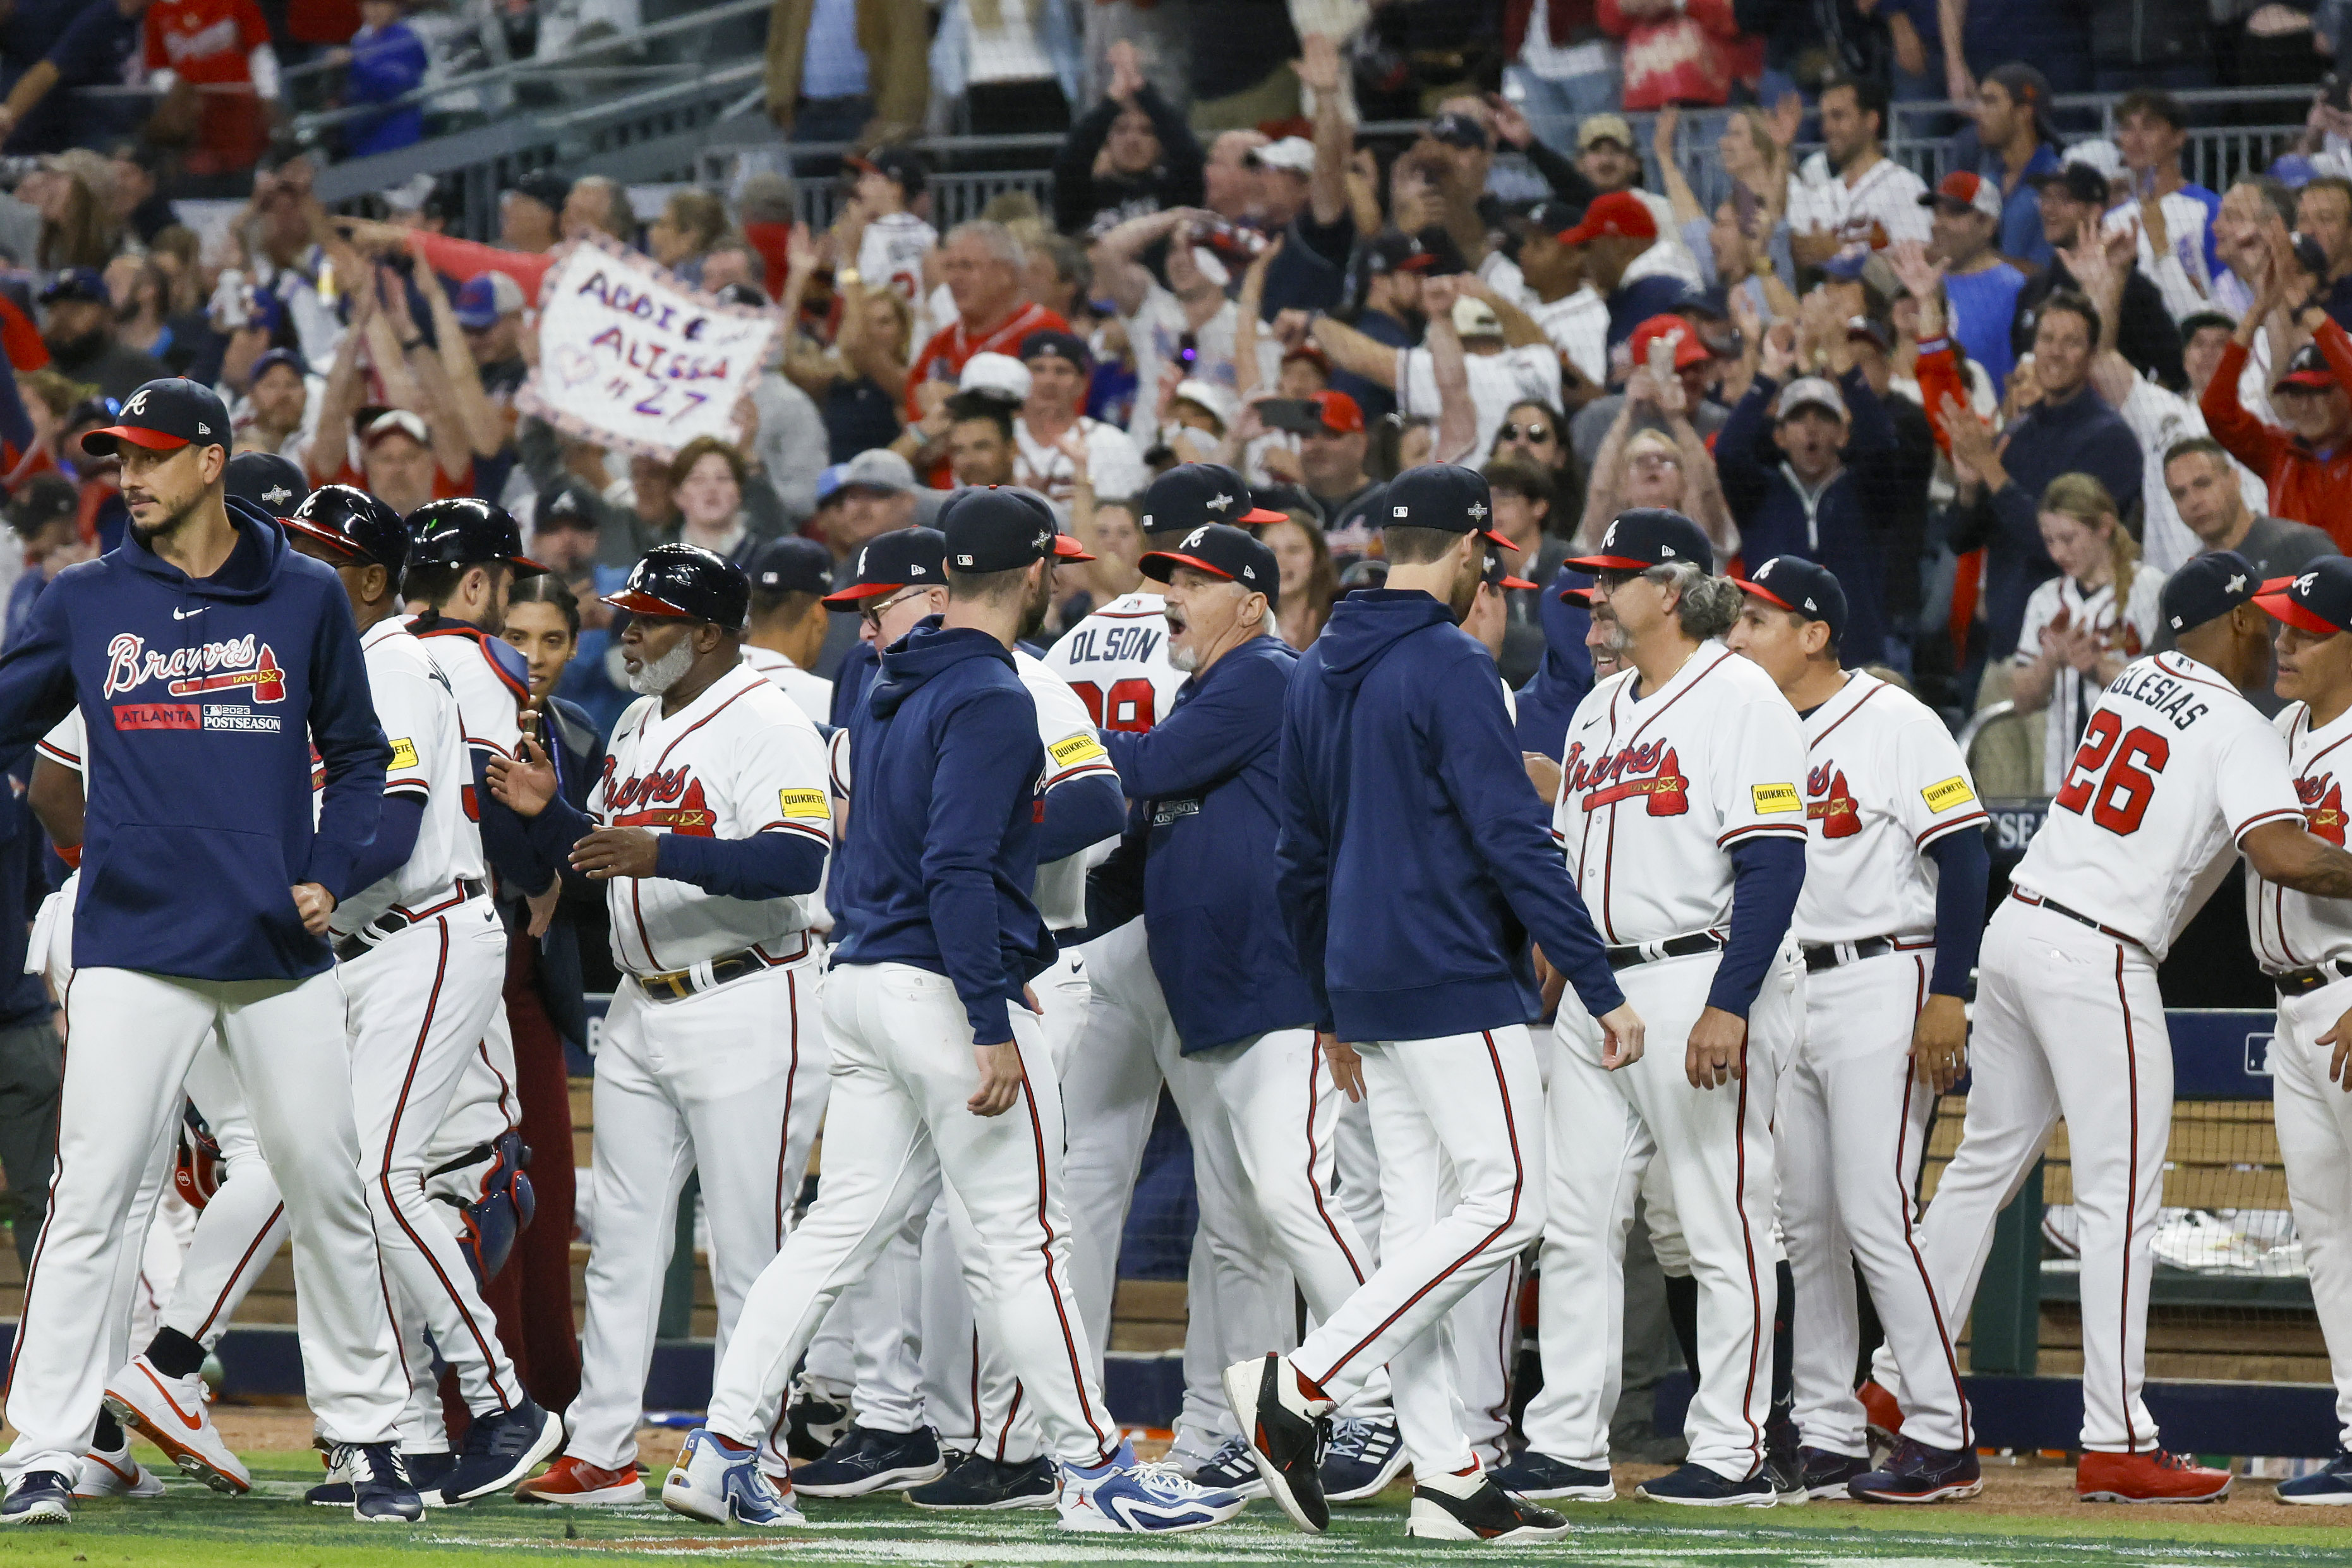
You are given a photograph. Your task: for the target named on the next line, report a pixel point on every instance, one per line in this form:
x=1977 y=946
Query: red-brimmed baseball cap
x=1445 y=495
x=1192 y=494
x=1802 y=587
x=1690 y=349
x=1619 y=213
x=1967 y=188
x=1222 y=550
x=2318 y=601
x=1645 y=537
x=2309 y=369
x=902 y=558
x=162 y=415
x=1497 y=575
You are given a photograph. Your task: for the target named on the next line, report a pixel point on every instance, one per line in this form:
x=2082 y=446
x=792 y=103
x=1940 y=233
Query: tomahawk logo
x=237 y=666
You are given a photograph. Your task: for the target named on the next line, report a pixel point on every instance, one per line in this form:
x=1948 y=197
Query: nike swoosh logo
x=185 y=614
x=192 y=1423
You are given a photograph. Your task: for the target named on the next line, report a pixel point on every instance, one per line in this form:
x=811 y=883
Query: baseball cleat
x=115 y=1475
x=1364 y=1457
x=574 y=1483
x=722 y=1482
x=868 y=1459
x=39 y=1496
x=984 y=1485
x=382 y=1492
x=1142 y=1500
x=814 y=1421
x=501 y=1448
x=425 y=1470
x=1542 y=1478
x=1783 y=1466
x=1826 y=1474
x=1695 y=1486
x=1490 y=1513
x=1920 y=1474
x=1286 y=1427
x=2153 y=1477
x=2330 y=1485
x=174 y=1414
x=1231 y=1470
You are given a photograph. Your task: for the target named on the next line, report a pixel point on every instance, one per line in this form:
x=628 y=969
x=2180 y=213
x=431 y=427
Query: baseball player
x=1686 y=763
x=1238 y=1295
x=207 y=660
x=2175 y=768
x=1414 y=862
x=710 y=829
x=790 y=578
x=2305 y=944
x=1080 y=810
x=1896 y=869
x=933 y=1044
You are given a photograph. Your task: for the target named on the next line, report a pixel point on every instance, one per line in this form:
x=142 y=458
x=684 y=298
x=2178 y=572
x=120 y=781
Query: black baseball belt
x=2303 y=982
x=1631 y=953
x=393 y=922
x=1830 y=954
x=678 y=985
x=2077 y=916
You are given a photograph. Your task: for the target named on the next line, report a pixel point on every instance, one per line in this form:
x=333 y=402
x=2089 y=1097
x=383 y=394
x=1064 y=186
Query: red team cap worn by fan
x=1616 y=214
x=1689 y=348
x=162 y=417
x=2318 y=601
x=1966 y=189
x=1645 y=537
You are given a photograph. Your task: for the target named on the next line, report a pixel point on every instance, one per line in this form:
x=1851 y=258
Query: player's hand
x=523 y=785
x=1544 y=774
x=1347 y=1067
x=1621 y=1038
x=1939 y=1043
x=611 y=852
x=314 y=904
x=2339 y=1066
x=1717 y=1041
x=1000 y=1079
x=1549 y=982
x=542 y=907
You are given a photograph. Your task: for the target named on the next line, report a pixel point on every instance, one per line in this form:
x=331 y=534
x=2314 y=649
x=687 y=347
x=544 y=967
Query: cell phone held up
x=1295 y=415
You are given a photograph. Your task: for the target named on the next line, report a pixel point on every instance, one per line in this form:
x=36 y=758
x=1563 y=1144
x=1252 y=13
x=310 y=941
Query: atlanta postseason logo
x=237 y=667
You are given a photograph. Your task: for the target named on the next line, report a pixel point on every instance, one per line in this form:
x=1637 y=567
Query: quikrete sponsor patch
x=1772 y=798
x=803 y=803
x=404 y=753
x=1076 y=749
x=1952 y=792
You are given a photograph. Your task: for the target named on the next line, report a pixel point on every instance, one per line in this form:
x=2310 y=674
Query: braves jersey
x=430 y=762
x=488 y=675
x=1655 y=790
x=890 y=254
x=812 y=692
x=2291 y=930
x=741 y=759
x=2174 y=768
x=1884 y=780
x=1117 y=661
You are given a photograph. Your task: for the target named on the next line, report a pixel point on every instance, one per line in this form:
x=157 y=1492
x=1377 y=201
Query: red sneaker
x=573 y=1484
x=2151 y=1477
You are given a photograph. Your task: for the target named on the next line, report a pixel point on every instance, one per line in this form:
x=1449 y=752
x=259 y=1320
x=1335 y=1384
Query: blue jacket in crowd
x=1548 y=701
x=1415 y=859
x=1209 y=778
x=942 y=851
x=202 y=700
x=387 y=63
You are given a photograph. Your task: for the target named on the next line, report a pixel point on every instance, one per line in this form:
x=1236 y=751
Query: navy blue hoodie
x=1209 y=776
x=941 y=850
x=203 y=700
x=1415 y=857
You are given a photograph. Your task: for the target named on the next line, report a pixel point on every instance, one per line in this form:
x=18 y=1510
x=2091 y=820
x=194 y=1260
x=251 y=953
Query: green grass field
x=192 y=1528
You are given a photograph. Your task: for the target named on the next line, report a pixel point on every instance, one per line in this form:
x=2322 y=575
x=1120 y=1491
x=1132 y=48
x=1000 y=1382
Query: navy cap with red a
x=1221 y=550
x=1648 y=536
x=2317 y=600
x=164 y=415
x=1802 y=587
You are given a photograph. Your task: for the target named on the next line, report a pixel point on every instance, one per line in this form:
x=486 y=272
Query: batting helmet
x=352 y=522
x=686 y=580
x=466 y=532
x=504 y=1211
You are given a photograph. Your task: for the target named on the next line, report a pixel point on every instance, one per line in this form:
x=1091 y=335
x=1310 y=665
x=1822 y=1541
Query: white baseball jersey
x=1880 y=207
x=1578 y=326
x=740 y=759
x=812 y=692
x=1655 y=790
x=1117 y=661
x=1114 y=468
x=2129 y=630
x=1884 y=780
x=890 y=255
x=63 y=744
x=2291 y=930
x=2175 y=767
x=490 y=694
x=430 y=762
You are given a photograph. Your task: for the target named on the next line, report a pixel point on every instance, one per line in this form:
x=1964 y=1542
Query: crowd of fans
x=2001 y=408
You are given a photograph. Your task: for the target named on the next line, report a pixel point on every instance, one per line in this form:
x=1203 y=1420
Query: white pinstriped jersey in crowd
x=2291 y=930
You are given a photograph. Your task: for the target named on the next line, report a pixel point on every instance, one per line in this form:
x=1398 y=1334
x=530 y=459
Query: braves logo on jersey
x=1829 y=802
x=670 y=799
x=1650 y=769
x=238 y=664
x=2323 y=807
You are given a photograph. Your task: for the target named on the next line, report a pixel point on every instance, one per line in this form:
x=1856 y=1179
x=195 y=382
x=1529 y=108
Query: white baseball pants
x=2314 y=1134
x=1465 y=1102
x=903 y=1070
x=241 y=1229
x=1605 y=1130
x=135 y=1034
x=1852 y=1120
x=1238 y=1294
x=730 y=1082
x=2067 y=1021
x=419 y=1003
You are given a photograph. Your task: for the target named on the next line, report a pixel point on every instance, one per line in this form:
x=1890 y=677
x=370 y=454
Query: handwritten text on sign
x=629 y=356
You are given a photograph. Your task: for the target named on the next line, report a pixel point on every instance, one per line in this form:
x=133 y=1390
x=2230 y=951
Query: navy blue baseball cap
x=993 y=528
x=686 y=582
x=1057 y=346
x=2319 y=600
x=292 y=360
x=1802 y=587
x=1498 y=574
x=902 y=558
x=271 y=483
x=353 y=525
x=2206 y=588
x=1443 y=496
x=790 y=566
x=1222 y=550
x=1648 y=536
x=76 y=283
x=162 y=417
x=1192 y=494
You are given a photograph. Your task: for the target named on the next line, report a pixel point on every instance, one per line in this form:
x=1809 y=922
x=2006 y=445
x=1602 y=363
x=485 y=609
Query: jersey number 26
x=2119 y=800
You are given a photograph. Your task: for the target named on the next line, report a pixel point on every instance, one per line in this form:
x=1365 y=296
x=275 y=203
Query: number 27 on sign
x=659 y=405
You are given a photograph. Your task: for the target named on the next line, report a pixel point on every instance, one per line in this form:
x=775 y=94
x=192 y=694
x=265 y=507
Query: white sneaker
x=115 y=1475
x=709 y=1483
x=1143 y=1500
x=174 y=1414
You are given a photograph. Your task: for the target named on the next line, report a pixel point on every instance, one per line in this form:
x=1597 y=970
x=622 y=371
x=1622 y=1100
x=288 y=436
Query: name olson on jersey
x=1649 y=770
